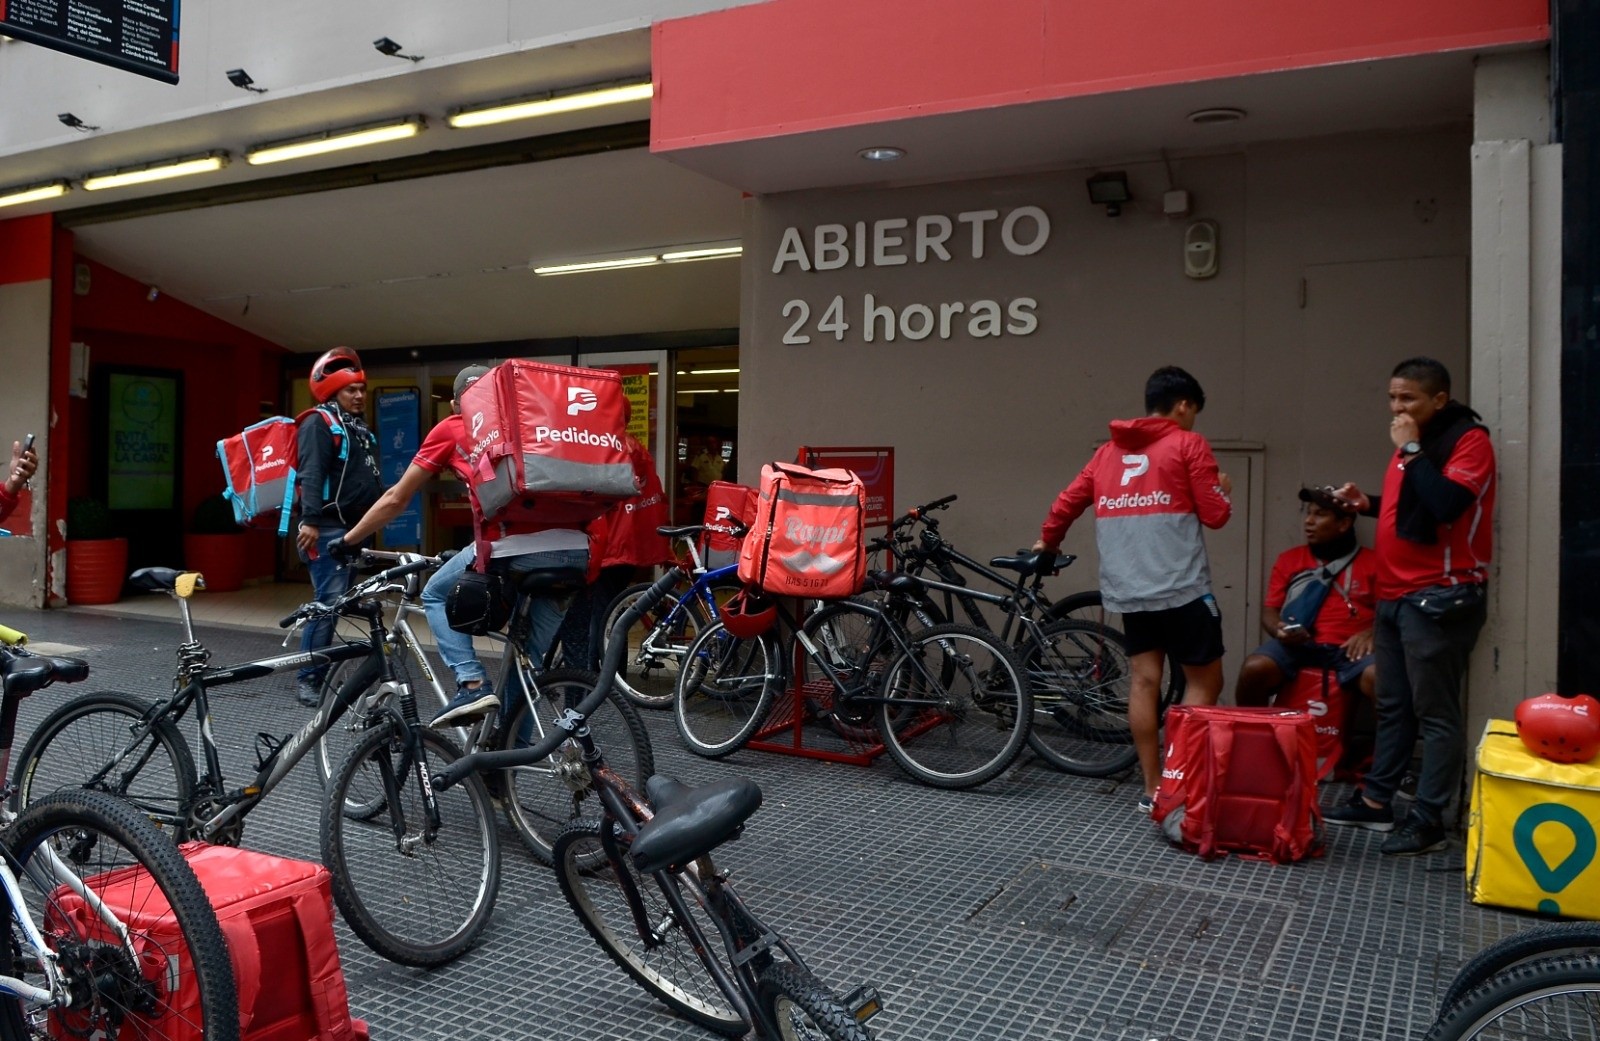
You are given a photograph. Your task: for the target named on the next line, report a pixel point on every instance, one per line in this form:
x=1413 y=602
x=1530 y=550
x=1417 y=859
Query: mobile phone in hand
x=1293 y=627
x=28 y=444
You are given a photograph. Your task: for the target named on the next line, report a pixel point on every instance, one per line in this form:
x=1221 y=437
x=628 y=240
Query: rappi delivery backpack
x=809 y=536
x=727 y=504
x=1240 y=780
x=547 y=443
x=260 y=465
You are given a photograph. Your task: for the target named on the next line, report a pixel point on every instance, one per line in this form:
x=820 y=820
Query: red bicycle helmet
x=334 y=371
x=1563 y=730
x=747 y=615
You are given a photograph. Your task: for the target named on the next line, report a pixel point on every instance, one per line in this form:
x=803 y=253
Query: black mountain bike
x=642 y=881
x=1542 y=982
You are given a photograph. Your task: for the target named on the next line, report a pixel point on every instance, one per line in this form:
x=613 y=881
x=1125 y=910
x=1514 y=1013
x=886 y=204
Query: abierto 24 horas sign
x=133 y=35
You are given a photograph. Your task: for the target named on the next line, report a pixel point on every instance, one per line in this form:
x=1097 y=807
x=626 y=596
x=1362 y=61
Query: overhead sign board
x=133 y=35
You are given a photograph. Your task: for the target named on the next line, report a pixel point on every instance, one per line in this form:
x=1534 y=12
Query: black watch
x=1410 y=448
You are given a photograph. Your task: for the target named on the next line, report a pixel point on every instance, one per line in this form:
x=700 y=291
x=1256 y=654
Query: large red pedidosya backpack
x=809 y=536
x=546 y=445
x=1240 y=780
x=729 y=508
x=261 y=467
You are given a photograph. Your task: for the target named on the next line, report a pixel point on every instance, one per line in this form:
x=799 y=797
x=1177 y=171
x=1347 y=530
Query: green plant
x=214 y=516
x=89 y=519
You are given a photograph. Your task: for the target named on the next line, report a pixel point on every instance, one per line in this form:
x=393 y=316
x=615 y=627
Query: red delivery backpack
x=809 y=537
x=277 y=917
x=260 y=465
x=547 y=443
x=727 y=504
x=1240 y=780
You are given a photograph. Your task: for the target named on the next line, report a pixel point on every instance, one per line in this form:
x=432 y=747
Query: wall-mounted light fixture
x=334 y=141
x=32 y=193
x=1109 y=190
x=156 y=171
x=708 y=252
x=549 y=104
x=580 y=266
x=72 y=121
x=241 y=79
x=389 y=49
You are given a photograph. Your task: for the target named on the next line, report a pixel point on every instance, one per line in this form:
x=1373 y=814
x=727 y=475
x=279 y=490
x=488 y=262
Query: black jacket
x=336 y=493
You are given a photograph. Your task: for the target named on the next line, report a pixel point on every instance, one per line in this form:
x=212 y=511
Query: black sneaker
x=1414 y=837
x=469 y=703
x=309 y=693
x=1357 y=814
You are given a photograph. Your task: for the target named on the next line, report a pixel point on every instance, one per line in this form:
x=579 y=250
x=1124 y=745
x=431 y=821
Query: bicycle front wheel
x=543 y=799
x=1080 y=679
x=335 y=744
x=803 y=1008
x=956 y=707
x=725 y=691
x=415 y=891
x=79 y=745
x=656 y=645
x=173 y=977
x=1557 y=998
x=598 y=879
x=853 y=638
x=1540 y=941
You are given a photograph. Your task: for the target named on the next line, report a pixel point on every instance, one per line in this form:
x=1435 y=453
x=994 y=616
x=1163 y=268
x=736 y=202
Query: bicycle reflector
x=1563 y=730
x=748 y=615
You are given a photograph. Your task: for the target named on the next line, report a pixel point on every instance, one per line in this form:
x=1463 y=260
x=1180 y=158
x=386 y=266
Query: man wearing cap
x=339 y=482
x=1319 y=608
x=440 y=449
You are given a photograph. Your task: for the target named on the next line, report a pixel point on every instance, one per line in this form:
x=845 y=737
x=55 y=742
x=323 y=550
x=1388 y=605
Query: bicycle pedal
x=267 y=748
x=863 y=1003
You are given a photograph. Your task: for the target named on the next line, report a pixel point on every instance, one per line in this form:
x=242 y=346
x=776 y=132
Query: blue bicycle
x=658 y=640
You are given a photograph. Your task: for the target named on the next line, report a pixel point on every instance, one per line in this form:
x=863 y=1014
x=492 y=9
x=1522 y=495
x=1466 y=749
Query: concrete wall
x=24 y=354
x=1338 y=258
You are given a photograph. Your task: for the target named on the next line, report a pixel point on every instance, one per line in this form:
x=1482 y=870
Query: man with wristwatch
x=1433 y=544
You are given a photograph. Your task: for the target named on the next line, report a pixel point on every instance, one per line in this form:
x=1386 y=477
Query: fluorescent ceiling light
x=37 y=192
x=710 y=391
x=597 y=265
x=684 y=256
x=730 y=390
x=551 y=104
x=712 y=372
x=156 y=172
x=334 y=141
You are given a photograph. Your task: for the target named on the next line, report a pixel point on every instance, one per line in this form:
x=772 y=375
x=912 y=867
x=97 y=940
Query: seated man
x=1319 y=608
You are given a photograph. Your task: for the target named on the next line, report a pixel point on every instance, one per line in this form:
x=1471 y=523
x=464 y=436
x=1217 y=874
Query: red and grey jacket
x=1151 y=488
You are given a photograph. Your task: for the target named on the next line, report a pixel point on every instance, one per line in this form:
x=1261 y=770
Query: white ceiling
x=444 y=259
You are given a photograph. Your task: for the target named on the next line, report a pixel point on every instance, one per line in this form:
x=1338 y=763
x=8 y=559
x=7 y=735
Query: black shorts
x=1192 y=634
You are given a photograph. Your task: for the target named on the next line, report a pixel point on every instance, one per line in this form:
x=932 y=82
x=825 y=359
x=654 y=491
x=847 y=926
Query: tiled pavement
x=1039 y=906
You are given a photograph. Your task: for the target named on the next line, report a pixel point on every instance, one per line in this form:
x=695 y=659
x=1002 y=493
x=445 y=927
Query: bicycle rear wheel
x=725 y=691
x=957 y=707
x=598 y=878
x=803 y=1008
x=551 y=794
x=173 y=979
x=1556 y=997
x=415 y=894
x=1565 y=938
x=1081 y=681
x=1087 y=606
x=854 y=640
x=656 y=645
x=82 y=737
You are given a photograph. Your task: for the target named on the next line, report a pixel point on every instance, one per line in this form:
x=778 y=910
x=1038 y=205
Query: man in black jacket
x=339 y=482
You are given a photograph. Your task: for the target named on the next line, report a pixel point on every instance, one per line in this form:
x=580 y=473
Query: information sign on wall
x=138 y=36
x=142 y=441
x=398 y=439
x=875 y=467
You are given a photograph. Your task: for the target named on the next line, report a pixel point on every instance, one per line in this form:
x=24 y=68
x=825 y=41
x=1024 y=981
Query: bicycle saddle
x=552 y=580
x=691 y=821
x=895 y=582
x=25 y=675
x=1033 y=563
x=155 y=579
x=681 y=532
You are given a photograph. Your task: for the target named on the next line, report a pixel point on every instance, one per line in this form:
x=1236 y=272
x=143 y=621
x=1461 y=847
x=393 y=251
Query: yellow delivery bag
x=1532 y=835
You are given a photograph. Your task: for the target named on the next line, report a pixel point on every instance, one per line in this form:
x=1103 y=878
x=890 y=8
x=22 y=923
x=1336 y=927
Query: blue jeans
x=329 y=581
x=544 y=615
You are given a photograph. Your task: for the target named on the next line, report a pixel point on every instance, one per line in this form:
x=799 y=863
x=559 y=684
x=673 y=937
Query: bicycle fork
x=413 y=758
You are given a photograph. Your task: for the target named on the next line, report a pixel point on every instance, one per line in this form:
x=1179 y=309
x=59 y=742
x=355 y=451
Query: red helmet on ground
x=1564 y=730
x=747 y=615
x=335 y=371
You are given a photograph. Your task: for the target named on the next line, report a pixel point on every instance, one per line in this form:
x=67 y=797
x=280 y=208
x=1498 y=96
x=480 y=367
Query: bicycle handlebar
x=364 y=589
x=616 y=648
x=919 y=512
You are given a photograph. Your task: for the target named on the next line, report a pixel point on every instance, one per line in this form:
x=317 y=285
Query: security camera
x=241 y=79
x=390 y=49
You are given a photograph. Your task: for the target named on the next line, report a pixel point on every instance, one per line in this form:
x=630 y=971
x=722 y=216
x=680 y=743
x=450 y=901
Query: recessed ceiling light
x=1204 y=116
x=597 y=265
x=881 y=153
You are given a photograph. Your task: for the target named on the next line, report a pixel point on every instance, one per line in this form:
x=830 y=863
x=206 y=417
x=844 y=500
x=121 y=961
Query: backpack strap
x=1219 y=739
x=1285 y=848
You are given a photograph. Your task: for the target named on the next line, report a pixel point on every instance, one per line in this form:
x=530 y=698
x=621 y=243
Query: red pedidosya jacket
x=626 y=533
x=1151 y=487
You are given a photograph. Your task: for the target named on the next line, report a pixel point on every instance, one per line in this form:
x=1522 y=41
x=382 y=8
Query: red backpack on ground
x=1317 y=693
x=277 y=916
x=727 y=504
x=261 y=467
x=809 y=537
x=1240 y=780
x=547 y=443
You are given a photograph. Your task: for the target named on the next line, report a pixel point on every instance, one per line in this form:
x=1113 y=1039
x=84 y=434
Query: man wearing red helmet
x=339 y=482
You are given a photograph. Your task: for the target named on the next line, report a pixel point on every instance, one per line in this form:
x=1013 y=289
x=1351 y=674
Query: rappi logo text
x=799 y=531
